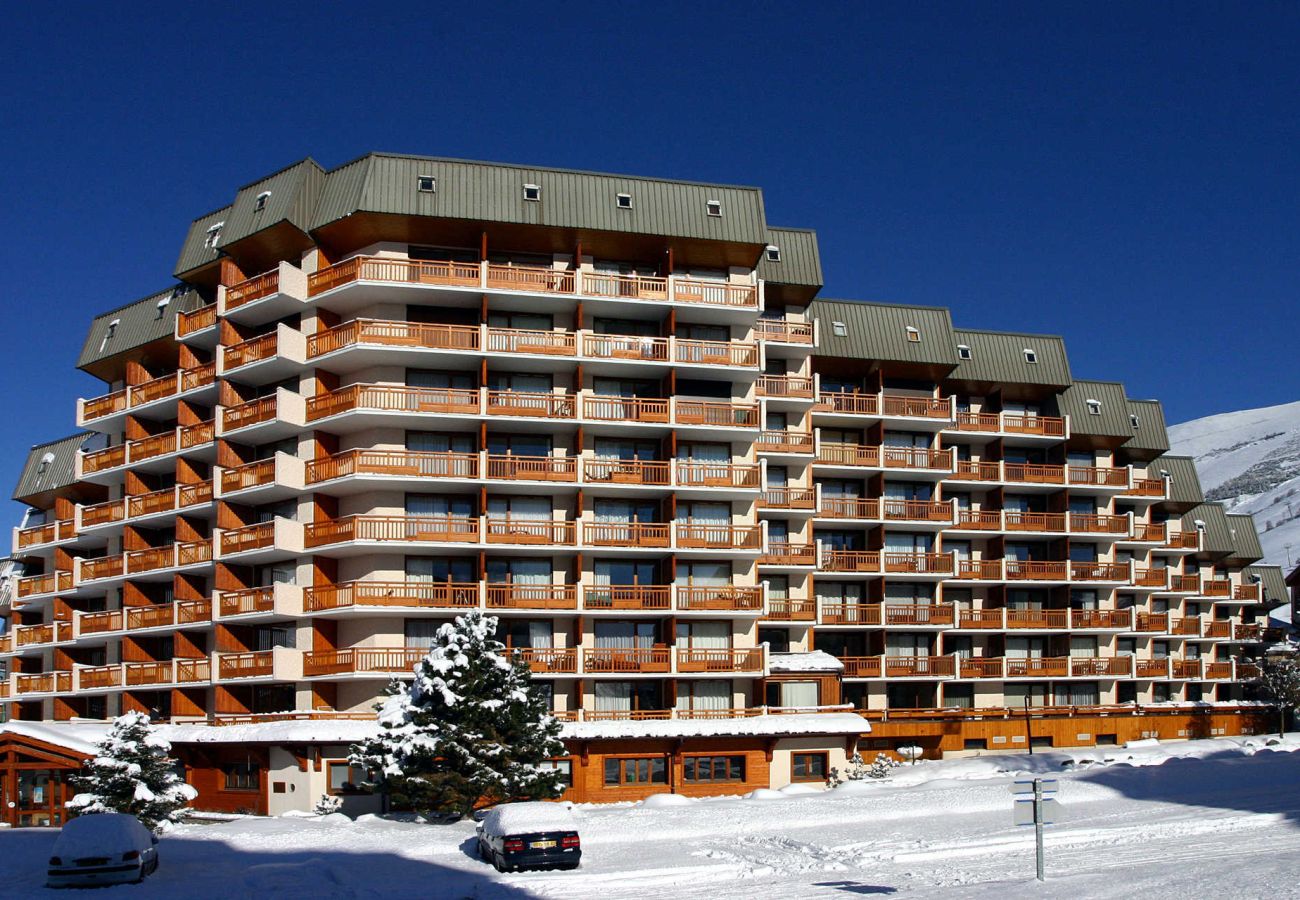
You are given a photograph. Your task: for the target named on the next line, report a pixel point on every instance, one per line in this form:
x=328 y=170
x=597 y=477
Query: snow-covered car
x=104 y=848
x=533 y=835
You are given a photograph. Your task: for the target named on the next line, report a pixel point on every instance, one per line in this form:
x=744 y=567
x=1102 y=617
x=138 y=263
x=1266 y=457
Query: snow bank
x=659 y=801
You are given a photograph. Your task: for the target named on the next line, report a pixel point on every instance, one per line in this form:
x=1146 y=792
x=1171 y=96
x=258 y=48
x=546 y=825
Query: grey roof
x=998 y=356
x=879 y=331
x=138 y=323
x=195 y=252
x=799 y=264
x=49 y=466
x=293 y=191
x=481 y=191
x=1112 y=421
x=1245 y=537
x=1218 y=532
x=1274 y=583
x=1184 y=483
x=1150 y=433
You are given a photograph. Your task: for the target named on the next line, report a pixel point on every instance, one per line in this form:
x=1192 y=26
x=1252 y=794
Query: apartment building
x=733 y=527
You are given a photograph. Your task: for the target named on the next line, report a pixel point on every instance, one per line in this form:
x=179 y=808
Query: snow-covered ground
x=1250 y=460
x=1217 y=818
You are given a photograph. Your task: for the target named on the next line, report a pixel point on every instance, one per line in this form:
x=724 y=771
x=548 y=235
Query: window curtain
x=704 y=635
x=613 y=696
x=420 y=633
x=799 y=693
x=705 y=695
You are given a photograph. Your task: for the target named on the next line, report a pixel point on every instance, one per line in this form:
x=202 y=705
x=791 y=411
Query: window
x=1031 y=356
x=808 y=767
x=46 y=459
x=563 y=766
x=345 y=778
x=913 y=335
x=532 y=192
x=963 y=352
x=213 y=235
x=1135 y=421
x=1094 y=407
x=642 y=770
x=426 y=184
x=773 y=253
x=245 y=776
x=697 y=769
x=260 y=203
x=162 y=307
x=108 y=333
x=713 y=207
x=623 y=201
x=839 y=329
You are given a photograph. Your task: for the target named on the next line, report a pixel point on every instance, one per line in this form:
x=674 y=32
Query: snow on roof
x=305 y=731
x=813 y=661
x=79 y=737
x=767 y=725
x=528 y=818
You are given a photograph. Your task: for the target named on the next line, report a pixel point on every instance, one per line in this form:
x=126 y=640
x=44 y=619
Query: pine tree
x=857 y=769
x=470 y=730
x=1279 y=683
x=133 y=773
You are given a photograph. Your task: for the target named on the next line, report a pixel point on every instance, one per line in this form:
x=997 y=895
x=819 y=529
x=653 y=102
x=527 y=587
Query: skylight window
x=913 y=334
x=773 y=253
x=532 y=192
x=108 y=333
x=963 y=351
x=623 y=201
x=713 y=207
x=426 y=184
x=1137 y=423
x=839 y=329
x=260 y=203
x=1031 y=356
x=46 y=458
x=213 y=235
x=1094 y=407
x=162 y=307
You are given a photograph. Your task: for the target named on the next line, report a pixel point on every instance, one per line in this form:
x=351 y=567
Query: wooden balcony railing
x=1151 y=577
x=1033 y=521
x=979 y=519
x=1032 y=473
x=785 y=331
x=787 y=498
x=790 y=609
x=1247 y=592
x=731 y=354
x=791 y=386
x=254 y=288
x=1084 y=523
x=917 y=407
x=848 y=403
x=1190 y=626
x=393 y=398
x=532 y=468
x=1185 y=584
x=99 y=622
x=1151 y=622
x=915 y=510
x=258 y=664
x=412 y=594
x=540 y=279
x=247 y=601
x=1038 y=667
x=918 y=563
x=155 y=389
x=1216 y=587
x=532 y=596
x=731 y=475
x=1247 y=631
x=361 y=660
x=401 y=463
x=107 y=458
x=981 y=667
x=196 y=320
x=264 y=346
x=626 y=534
x=973 y=470
x=189 y=553
x=195 y=435
x=520 y=340
x=1185 y=668
x=550 y=660
x=1218 y=671
x=851 y=560
x=619 y=346
x=714 y=413
x=919 y=666
x=1050 y=619
x=142 y=673
x=457 y=529
x=919 y=614
x=784 y=442
x=1151 y=668
x=50 y=583
x=851 y=613
x=717 y=293
x=1218 y=629
x=982 y=619
x=711 y=660
x=100 y=677
x=1152 y=532
x=531 y=404
x=861 y=666
x=50 y=633
x=47 y=533
x=1101 y=666
x=627 y=471
x=106 y=405
x=1147 y=487
x=189 y=671
x=1098 y=476
x=1185 y=540
x=1115 y=619
x=837 y=454
x=916 y=458
x=721 y=537
x=849 y=508
x=728 y=598
x=1098 y=571
x=627 y=596
x=630 y=659
x=149 y=559
x=1025 y=570
x=253 y=474
x=151 y=503
x=155 y=445
x=979 y=569
x=251 y=413
x=1011 y=423
x=248 y=537
x=400 y=271
x=43 y=683
x=198 y=376
x=632 y=287
x=102 y=567
x=512 y=530
x=784 y=553
x=393 y=334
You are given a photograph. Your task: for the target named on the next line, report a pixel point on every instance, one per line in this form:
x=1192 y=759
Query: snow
x=104 y=834
x=765 y=725
x=1170 y=820
x=814 y=661
x=528 y=818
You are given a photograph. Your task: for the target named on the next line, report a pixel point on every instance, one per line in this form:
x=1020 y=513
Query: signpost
x=1034 y=803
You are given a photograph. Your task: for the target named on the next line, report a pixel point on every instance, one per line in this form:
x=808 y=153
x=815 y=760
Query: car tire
x=498 y=863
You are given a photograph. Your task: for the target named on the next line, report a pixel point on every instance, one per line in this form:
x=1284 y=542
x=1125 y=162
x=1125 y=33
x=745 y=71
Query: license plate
x=542 y=845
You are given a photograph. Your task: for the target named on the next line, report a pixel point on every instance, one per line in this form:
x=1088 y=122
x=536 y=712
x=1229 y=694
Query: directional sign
x=1024 y=812
x=1027 y=786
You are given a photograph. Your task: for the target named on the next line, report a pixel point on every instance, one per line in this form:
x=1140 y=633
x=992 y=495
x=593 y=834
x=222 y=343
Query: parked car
x=105 y=848
x=534 y=835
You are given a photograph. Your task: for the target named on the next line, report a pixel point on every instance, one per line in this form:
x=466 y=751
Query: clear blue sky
x=1124 y=175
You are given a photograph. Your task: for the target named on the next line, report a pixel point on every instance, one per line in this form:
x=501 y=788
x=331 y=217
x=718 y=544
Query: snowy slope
x=1250 y=460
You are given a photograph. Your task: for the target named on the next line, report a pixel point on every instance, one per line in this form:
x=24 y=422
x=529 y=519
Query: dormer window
x=260 y=203
x=213 y=235
x=839 y=329
x=533 y=192
x=1137 y=423
x=713 y=207
x=426 y=184
x=913 y=335
x=623 y=201
x=1031 y=356
x=46 y=459
x=162 y=307
x=963 y=351
x=108 y=333
x=773 y=253
x=1094 y=407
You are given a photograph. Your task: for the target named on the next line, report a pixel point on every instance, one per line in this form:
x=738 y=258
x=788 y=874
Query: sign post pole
x=1038 y=827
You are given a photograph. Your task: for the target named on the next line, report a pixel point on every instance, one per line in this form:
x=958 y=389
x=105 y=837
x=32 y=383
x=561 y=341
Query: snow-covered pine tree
x=132 y=773
x=1279 y=683
x=857 y=769
x=470 y=730
x=327 y=805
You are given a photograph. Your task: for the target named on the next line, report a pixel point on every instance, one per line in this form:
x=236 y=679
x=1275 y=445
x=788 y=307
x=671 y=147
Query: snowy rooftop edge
x=765 y=725
x=810 y=661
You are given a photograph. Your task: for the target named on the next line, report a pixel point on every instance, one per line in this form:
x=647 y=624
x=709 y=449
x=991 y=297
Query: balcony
x=1148 y=489
x=981 y=667
x=271 y=295
x=896 y=563
x=1113 y=526
x=33 y=586
x=531 y=596
x=279 y=537
x=267 y=357
x=982 y=619
x=99 y=622
x=722 y=598
x=1151 y=668
x=1026 y=570
x=1038 y=619
x=508 y=530
x=264 y=480
x=43 y=683
x=398 y=464
x=692 y=660
x=1038 y=667
x=43 y=535
x=167 y=615
x=786 y=387
x=1247 y=593
x=41 y=635
x=627 y=597
x=788 y=498
x=277 y=599
x=851 y=561
x=784 y=331
x=631 y=660
x=403 y=335
x=390 y=529
x=1102 y=619
x=793 y=443
x=979 y=520
x=919 y=666
x=1151 y=622
x=1184 y=540
x=704 y=536
x=258 y=664
x=851 y=614
x=550 y=660
x=1216 y=587
x=268 y=418
x=789 y=609
x=784 y=553
x=1020 y=424
x=383 y=594
x=1101 y=666
x=361 y=661
x=626 y=534
x=193 y=324
x=979 y=570
x=741 y=476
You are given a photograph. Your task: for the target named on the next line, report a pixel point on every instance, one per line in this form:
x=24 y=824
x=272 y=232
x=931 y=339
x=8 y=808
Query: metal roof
x=1149 y=433
x=292 y=194
x=138 y=323
x=1184 y=483
x=1272 y=580
x=998 y=356
x=493 y=192
x=195 y=252
x=50 y=466
x=1245 y=536
x=879 y=331
x=799 y=263
x=1110 y=421
x=1218 y=532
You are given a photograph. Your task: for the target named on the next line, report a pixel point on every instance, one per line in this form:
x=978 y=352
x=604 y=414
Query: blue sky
x=1125 y=175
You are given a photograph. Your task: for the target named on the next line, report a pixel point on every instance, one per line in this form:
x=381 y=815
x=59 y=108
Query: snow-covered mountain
x=1250 y=461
